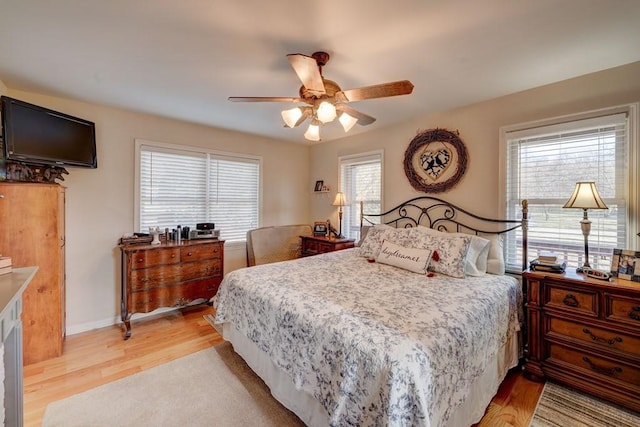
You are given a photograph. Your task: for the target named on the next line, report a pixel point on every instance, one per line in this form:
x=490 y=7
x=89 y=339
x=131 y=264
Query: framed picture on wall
x=319 y=185
x=625 y=264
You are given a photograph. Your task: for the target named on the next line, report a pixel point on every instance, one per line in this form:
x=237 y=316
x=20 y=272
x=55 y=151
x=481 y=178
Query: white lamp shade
x=339 y=200
x=585 y=196
x=326 y=112
x=347 y=121
x=313 y=132
x=291 y=116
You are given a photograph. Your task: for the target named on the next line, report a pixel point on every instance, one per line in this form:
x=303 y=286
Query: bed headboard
x=441 y=215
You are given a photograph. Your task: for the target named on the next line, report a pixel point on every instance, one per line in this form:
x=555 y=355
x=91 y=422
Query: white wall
x=99 y=202
x=479 y=126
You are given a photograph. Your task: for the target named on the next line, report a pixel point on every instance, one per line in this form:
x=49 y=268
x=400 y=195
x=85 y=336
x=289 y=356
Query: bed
x=404 y=330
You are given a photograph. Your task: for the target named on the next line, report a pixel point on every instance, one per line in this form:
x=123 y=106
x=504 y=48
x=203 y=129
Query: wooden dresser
x=169 y=275
x=314 y=245
x=585 y=333
x=32 y=233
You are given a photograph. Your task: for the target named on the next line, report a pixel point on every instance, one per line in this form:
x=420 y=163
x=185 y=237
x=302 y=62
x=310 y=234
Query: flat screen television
x=37 y=135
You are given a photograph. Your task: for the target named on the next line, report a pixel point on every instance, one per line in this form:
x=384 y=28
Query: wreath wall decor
x=435 y=160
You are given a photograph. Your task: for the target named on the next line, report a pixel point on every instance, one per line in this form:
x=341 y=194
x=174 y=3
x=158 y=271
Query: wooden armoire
x=32 y=234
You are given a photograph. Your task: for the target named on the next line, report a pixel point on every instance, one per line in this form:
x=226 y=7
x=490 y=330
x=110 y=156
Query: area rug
x=213 y=387
x=563 y=407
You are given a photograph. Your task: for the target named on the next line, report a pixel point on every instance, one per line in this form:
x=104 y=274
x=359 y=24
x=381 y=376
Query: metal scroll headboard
x=441 y=215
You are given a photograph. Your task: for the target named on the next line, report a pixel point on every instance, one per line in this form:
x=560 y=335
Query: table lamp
x=585 y=196
x=339 y=201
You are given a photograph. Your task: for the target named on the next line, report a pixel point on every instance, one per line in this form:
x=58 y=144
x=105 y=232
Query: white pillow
x=450 y=252
x=495 y=261
x=476 y=259
x=378 y=233
x=412 y=259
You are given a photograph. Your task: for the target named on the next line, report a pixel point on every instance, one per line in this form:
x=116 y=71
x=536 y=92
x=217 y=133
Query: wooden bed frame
x=441 y=215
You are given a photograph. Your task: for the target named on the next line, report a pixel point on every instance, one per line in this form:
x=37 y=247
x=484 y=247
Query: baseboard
x=89 y=326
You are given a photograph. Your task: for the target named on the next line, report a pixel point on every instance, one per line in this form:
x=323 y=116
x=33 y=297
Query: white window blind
x=182 y=186
x=360 y=180
x=543 y=165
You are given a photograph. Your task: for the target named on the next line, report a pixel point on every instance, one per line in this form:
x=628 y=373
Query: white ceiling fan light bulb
x=291 y=116
x=347 y=121
x=313 y=132
x=326 y=112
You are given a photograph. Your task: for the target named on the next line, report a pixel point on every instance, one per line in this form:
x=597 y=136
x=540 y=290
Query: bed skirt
x=309 y=410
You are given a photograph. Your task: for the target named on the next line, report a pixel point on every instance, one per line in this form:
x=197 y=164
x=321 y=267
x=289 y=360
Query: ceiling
x=184 y=58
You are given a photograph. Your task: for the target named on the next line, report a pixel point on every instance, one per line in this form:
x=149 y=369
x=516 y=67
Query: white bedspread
x=374 y=344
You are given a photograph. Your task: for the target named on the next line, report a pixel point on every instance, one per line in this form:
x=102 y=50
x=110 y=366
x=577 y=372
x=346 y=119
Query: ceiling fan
x=323 y=97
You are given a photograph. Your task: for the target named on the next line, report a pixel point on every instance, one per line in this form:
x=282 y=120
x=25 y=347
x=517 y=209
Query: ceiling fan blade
x=263 y=99
x=402 y=87
x=306 y=67
x=363 y=119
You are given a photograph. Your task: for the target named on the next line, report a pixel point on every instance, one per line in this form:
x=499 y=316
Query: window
x=360 y=180
x=184 y=186
x=543 y=163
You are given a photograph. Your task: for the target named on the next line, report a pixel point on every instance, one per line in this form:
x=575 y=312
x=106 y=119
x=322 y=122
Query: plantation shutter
x=543 y=165
x=360 y=180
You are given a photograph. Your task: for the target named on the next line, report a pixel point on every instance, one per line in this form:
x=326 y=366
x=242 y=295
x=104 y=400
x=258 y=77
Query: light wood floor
x=97 y=357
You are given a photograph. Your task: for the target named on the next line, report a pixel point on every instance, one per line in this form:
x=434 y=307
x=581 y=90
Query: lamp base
x=583 y=269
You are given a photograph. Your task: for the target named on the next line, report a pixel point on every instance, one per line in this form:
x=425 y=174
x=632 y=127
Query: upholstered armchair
x=277 y=243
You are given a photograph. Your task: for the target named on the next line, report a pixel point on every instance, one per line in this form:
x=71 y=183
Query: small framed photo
x=319 y=185
x=625 y=264
x=319 y=229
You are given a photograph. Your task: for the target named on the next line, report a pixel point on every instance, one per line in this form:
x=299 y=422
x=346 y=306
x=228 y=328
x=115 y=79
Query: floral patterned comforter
x=375 y=344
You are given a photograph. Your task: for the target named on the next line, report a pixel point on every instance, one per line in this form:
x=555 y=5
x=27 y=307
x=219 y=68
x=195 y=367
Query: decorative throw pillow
x=412 y=259
x=476 y=259
x=449 y=252
x=372 y=242
x=378 y=233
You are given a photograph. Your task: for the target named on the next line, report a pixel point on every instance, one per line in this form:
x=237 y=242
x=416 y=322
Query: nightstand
x=314 y=245
x=584 y=333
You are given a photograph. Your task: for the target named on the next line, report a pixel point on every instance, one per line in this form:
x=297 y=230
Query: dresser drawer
x=173 y=296
x=594 y=335
x=153 y=277
x=200 y=269
x=310 y=246
x=323 y=248
x=150 y=258
x=622 y=309
x=595 y=366
x=572 y=300
x=199 y=252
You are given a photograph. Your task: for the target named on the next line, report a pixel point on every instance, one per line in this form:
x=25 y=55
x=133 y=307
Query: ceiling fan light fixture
x=291 y=116
x=326 y=112
x=313 y=132
x=347 y=121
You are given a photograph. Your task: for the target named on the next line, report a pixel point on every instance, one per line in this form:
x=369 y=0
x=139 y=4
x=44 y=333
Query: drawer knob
x=601 y=369
x=173 y=255
x=612 y=341
x=570 y=300
x=188 y=253
x=635 y=313
x=140 y=260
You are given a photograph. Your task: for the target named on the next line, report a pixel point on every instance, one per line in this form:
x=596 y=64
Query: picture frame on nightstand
x=625 y=264
x=320 y=229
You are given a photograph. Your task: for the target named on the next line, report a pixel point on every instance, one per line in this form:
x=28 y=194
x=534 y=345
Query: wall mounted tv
x=37 y=135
